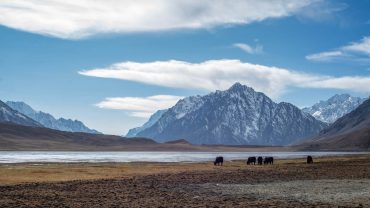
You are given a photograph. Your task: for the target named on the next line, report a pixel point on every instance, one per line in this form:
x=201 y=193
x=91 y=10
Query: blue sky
x=112 y=71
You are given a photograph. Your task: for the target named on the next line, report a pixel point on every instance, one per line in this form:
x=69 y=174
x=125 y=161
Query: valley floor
x=329 y=182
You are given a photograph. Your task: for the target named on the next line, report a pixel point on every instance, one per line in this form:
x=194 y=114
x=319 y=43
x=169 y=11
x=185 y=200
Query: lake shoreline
x=14 y=157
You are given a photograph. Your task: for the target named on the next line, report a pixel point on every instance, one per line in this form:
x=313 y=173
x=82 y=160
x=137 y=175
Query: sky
x=111 y=64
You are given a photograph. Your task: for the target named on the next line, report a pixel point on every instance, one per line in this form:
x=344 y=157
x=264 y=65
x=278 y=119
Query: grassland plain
x=329 y=182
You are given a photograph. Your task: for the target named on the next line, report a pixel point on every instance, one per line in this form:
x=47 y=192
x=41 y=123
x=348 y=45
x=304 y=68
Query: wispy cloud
x=82 y=18
x=258 y=49
x=142 y=107
x=325 y=56
x=353 y=51
x=221 y=74
x=362 y=47
x=322 y=10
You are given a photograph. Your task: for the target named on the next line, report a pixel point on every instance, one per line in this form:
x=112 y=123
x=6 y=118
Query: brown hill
x=179 y=141
x=17 y=137
x=350 y=132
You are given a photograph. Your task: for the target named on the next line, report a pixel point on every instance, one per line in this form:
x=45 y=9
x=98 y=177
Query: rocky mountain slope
x=335 y=107
x=49 y=121
x=152 y=120
x=238 y=115
x=9 y=115
x=350 y=132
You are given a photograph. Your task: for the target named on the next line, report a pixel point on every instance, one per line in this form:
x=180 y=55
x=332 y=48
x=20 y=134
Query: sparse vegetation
x=187 y=184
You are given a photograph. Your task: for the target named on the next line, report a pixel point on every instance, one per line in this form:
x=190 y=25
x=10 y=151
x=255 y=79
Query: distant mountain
x=152 y=120
x=335 y=107
x=350 y=132
x=49 y=121
x=238 y=115
x=8 y=115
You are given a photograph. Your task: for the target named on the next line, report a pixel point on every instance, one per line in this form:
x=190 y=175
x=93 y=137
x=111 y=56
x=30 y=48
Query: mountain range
x=48 y=121
x=9 y=115
x=350 y=132
x=235 y=116
x=335 y=107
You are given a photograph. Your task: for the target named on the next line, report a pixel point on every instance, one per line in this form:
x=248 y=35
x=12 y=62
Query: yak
x=309 y=159
x=251 y=160
x=268 y=160
x=219 y=160
x=259 y=160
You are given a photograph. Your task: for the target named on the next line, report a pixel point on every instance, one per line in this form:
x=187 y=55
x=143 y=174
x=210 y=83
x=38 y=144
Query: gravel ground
x=333 y=192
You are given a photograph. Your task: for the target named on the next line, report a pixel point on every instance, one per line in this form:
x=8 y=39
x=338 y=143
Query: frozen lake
x=96 y=157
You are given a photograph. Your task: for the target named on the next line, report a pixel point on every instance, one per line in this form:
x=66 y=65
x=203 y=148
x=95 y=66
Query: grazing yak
x=251 y=160
x=259 y=160
x=309 y=159
x=268 y=160
x=218 y=161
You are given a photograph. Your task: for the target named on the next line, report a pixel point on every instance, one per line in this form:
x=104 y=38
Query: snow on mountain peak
x=187 y=105
x=9 y=115
x=335 y=107
x=48 y=120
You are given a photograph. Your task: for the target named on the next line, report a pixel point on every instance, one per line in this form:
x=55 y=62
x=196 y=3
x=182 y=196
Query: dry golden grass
x=23 y=173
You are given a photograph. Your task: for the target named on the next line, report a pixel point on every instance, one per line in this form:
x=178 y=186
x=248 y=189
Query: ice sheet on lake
x=79 y=156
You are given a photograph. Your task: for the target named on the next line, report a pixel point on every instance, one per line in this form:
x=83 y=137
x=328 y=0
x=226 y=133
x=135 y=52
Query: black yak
x=268 y=160
x=309 y=159
x=259 y=160
x=218 y=161
x=251 y=160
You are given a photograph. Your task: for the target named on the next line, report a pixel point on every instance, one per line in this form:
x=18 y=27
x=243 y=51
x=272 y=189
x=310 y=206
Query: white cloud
x=249 y=49
x=82 y=18
x=142 y=107
x=354 y=83
x=354 y=51
x=220 y=74
x=360 y=47
x=324 y=56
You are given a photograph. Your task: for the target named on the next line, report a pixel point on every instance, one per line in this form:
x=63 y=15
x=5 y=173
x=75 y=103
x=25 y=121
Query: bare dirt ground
x=329 y=182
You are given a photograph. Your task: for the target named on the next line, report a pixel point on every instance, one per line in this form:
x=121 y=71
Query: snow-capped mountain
x=152 y=120
x=49 y=121
x=8 y=115
x=335 y=107
x=349 y=132
x=238 y=115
